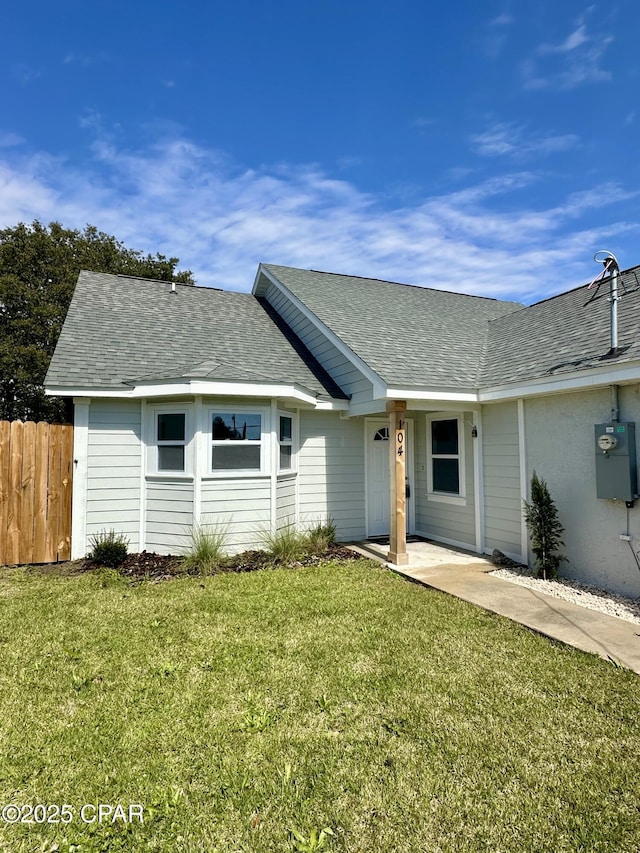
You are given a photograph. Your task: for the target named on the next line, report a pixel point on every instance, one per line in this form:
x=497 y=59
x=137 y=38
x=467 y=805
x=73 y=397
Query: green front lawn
x=240 y=707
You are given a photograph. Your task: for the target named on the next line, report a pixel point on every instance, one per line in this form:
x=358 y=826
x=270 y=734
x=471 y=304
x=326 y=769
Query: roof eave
x=431 y=394
x=589 y=379
x=292 y=392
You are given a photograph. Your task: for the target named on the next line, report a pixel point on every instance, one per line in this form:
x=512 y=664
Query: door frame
x=410 y=472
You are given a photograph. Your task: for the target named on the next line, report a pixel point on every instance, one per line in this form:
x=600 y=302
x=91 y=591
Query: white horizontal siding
x=286 y=513
x=437 y=520
x=348 y=377
x=501 y=461
x=113 y=469
x=241 y=507
x=331 y=473
x=168 y=516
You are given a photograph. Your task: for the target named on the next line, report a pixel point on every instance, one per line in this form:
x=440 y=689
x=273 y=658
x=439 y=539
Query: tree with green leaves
x=39 y=267
x=545 y=529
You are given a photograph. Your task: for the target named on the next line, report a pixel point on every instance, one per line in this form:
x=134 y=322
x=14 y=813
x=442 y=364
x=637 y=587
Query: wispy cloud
x=516 y=141
x=573 y=41
x=573 y=61
x=502 y=20
x=180 y=199
x=10 y=140
x=24 y=73
x=85 y=59
x=498 y=30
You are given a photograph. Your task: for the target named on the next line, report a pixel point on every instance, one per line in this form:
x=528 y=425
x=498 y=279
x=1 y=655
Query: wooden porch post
x=397 y=492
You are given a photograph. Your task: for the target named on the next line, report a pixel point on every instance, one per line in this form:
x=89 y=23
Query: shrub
x=545 y=530
x=108 y=548
x=289 y=545
x=321 y=536
x=206 y=550
x=286 y=545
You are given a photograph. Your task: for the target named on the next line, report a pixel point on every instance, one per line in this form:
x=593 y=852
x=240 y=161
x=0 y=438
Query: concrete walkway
x=467 y=577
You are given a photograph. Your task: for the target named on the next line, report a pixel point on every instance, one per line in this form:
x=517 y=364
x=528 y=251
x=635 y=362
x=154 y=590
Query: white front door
x=377 y=462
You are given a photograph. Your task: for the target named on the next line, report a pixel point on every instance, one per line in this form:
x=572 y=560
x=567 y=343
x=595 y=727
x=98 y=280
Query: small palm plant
x=545 y=530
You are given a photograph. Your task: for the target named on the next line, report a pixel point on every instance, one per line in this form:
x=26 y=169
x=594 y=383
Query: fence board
x=15 y=477
x=36 y=468
x=66 y=479
x=41 y=494
x=53 y=509
x=27 y=492
x=5 y=434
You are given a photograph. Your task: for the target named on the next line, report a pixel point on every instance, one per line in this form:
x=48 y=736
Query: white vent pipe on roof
x=611 y=268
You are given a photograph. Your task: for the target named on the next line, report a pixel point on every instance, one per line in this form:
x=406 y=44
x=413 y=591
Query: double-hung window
x=446 y=458
x=171 y=441
x=285 y=442
x=237 y=441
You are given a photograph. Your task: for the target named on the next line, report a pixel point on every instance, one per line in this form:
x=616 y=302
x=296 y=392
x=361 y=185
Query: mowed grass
x=240 y=707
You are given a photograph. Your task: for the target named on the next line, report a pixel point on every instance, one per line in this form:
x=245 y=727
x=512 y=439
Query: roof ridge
x=156 y=280
x=484 y=352
x=635 y=269
x=399 y=284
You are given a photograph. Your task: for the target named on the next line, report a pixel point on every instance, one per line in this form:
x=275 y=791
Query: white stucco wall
x=560 y=447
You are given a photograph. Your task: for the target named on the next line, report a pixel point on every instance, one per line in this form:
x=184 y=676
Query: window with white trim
x=171 y=441
x=445 y=453
x=285 y=443
x=237 y=441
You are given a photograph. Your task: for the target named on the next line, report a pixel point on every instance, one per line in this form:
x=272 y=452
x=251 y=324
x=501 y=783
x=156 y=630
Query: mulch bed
x=150 y=566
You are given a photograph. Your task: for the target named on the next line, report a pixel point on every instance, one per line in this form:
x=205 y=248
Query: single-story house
x=387 y=407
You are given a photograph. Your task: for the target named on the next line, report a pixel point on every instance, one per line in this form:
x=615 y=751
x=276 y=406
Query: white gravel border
x=576 y=592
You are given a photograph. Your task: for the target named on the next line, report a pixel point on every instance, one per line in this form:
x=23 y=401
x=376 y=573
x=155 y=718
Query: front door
x=377 y=461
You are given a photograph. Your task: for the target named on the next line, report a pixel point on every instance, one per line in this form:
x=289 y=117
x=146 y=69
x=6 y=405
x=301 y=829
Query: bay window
x=171 y=441
x=237 y=441
x=285 y=442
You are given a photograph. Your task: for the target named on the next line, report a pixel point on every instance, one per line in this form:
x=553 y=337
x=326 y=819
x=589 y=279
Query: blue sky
x=487 y=147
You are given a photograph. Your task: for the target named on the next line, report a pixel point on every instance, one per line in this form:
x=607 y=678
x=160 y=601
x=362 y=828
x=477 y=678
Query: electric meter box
x=616 y=472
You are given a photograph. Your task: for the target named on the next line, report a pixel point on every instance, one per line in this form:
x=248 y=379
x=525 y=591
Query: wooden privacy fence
x=36 y=466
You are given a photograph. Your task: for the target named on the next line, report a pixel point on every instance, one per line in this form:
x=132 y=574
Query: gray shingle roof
x=409 y=335
x=566 y=333
x=121 y=329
